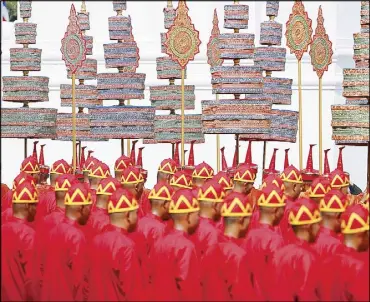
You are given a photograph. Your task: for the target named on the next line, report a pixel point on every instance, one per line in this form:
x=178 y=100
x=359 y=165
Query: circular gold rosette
x=321 y=48
x=299 y=30
x=182 y=38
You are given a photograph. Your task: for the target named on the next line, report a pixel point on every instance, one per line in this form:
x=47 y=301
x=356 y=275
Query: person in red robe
x=58 y=168
x=98 y=172
x=319 y=187
x=264 y=240
x=181 y=180
x=296 y=266
x=157 y=222
x=210 y=196
x=4 y=190
x=347 y=272
x=175 y=275
x=133 y=180
x=225 y=180
x=331 y=207
x=67 y=257
x=271 y=179
x=88 y=165
x=121 y=164
x=30 y=167
x=244 y=178
x=99 y=217
x=201 y=174
x=225 y=274
x=6 y=202
x=293 y=185
x=47 y=223
x=166 y=169
x=116 y=274
x=340 y=181
x=47 y=203
x=17 y=251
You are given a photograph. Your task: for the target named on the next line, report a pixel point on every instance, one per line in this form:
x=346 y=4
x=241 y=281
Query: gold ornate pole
x=74 y=120
x=74 y=54
x=182 y=44
x=320 y=127
x=298 y=36
x=182 y=117
x=128 y=142
x=218 y=144
x=321 y=57
x=25 y=148
x=300 y=127
x=214 y=59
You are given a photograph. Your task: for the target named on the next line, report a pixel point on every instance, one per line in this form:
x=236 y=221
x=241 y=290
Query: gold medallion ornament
x=321 y=48
x=298 y=30
x=182 y=42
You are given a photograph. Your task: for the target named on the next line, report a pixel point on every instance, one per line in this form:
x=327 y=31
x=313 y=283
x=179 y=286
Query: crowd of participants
x=196 y=235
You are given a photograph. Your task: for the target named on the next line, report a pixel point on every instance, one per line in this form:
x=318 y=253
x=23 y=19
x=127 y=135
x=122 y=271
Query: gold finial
x=169 y=4
x=83 y=7
x=272 y=18
x=236 y=2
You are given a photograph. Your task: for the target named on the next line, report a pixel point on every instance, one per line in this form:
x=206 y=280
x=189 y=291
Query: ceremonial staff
x=182 y=44
x=74 y=54
x=214 y=59
x=321 y=57
x=298 y=38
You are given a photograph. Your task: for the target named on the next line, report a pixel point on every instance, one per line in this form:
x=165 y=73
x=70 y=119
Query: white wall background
x=342 y=19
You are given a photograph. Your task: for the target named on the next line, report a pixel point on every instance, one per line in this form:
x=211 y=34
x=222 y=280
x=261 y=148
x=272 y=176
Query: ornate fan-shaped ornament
x=321 y=48
x=182 y=39
x=213 y=50
x=73 y=44
x=298 y=30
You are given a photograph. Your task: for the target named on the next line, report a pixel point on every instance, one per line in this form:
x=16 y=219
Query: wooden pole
x=320 y=127
x=300 y=115
x=182 y=117
x=25 y=148
x=74 y=120
x=128 y=140
x=218 y=144
x=122 y=146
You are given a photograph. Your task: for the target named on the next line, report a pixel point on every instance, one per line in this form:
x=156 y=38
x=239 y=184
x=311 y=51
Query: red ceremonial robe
x=46 y=205
x=6 y=200
x=4 y=190
x=17 y=260
x=284 y=227
x=206 y=235
x=66 y=264
x=327 y=243
x=295 y=269
x=263 y=241
x=153 y=227
x=144 y=203
x=98 y=221
x=44 y=228
x=346 y=276
x=225 y=273
x=115 y=274
x=6 y=215
x=175 y=275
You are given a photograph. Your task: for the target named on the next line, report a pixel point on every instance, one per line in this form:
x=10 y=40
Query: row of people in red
x=268 y=245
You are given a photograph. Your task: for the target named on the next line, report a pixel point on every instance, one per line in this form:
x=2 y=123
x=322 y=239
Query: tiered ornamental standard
x=284 y=123
x=86 y=95
x=250 y=115
x=168 y=97
x=121 y=121
x=350 y=122
x=26 y=122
